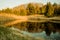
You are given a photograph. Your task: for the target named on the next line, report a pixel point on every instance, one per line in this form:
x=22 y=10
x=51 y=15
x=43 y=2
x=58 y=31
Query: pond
x=16 y=34
x=43 y=35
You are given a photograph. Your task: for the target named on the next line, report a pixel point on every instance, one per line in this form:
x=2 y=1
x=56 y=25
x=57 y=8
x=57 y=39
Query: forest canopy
x=48 y=9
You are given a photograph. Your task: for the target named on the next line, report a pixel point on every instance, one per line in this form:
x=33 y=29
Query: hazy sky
x=12 y=3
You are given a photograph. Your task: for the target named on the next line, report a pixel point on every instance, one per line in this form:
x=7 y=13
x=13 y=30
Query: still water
x=42 y=35
x=53 y=36
x=16 y=34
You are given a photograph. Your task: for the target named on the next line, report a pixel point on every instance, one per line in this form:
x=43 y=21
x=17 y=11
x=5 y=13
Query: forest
x=48 y=9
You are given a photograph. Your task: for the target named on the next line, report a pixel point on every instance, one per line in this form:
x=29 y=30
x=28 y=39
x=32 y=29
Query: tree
x=37 y=9
x=0 y=11
x=55 y=4
x=43 y=9
x=23 y=12
x=15 y=12
x=31 y=9
x=7 y=10
x=57 y=11
x=49 y=10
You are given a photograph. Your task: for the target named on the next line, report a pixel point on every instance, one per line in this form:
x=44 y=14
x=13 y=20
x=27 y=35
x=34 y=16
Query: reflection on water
x=16 y=34
x=43 y=35
x=55 y=36
x=49 y=30
x=40 y=30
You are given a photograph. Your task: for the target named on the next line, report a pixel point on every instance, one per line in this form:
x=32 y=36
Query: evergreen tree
x=49 y=10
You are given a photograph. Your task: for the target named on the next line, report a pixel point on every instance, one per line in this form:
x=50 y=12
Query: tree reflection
x=48 y=27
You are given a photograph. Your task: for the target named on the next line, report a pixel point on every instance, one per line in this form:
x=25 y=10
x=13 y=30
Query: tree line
x=48 y=10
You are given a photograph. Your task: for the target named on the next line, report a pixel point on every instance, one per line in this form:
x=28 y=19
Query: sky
x=13 y=3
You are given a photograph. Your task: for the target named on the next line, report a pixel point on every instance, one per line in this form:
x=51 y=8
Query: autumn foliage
x=48 y=9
